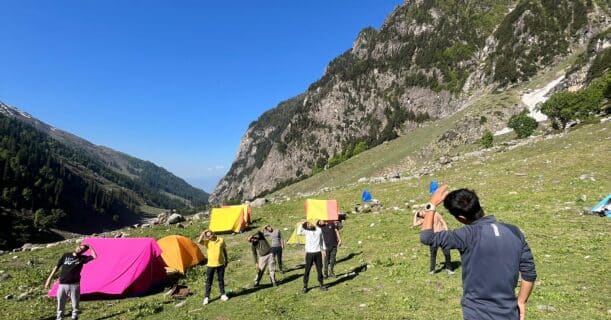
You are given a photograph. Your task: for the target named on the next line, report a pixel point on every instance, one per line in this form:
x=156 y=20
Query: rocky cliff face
x=421 y=65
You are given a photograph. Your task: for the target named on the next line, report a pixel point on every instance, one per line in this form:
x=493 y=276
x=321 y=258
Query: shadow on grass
x=246 y=291
x=351 y=274
x=348 y=257
x=296 y=267
x=110 y=316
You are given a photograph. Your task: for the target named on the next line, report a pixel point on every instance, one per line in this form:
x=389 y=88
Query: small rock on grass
x=8 y=297
x=180 y=304
x=362 y=305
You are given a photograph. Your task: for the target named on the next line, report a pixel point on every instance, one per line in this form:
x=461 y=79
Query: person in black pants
x=332 y=240
x=314 y=244
x=217 y=262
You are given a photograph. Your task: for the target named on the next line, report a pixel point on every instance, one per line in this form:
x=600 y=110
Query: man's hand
x=439 y=195
x=522 y=308
x=339 y=243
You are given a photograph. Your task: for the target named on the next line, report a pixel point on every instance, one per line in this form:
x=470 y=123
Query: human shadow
x=110 y=316
x=296 y=267
x=349 y=256
x=250 y=290
x=349 y=275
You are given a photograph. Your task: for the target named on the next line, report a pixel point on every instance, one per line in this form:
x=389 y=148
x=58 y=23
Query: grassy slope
x=571 y=251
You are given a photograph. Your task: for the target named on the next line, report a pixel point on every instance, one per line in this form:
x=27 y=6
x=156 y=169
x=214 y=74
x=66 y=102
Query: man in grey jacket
x=262 y=254
x=493 y=256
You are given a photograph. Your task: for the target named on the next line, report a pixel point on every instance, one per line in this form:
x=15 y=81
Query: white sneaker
x=224 y=297
x=206 y=301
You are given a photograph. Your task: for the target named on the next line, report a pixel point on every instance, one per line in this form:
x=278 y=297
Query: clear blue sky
x=173 y=82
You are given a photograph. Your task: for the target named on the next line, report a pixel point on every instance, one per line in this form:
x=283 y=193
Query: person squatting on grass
x=262 y=253
x=71 y=264
x=277 y=244
x=314 y=244
x=217 y=261
x=493 y=255
x=438 y=225
x=332 y=239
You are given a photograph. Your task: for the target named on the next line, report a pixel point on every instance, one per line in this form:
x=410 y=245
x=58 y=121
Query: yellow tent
x=296 y=239
x=234 y=218
x=321 y=210
x=179 y=253
x=246 y=211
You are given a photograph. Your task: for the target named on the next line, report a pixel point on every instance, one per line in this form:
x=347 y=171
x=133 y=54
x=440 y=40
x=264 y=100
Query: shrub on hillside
x=565 y=106
x=487 y=139
x=522 y=124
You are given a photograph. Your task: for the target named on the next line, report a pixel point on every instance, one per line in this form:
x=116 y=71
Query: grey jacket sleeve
x=527 y=263
x=452 y=239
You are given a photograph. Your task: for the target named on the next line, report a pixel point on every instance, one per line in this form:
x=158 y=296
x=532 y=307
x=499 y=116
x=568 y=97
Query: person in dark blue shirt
x=493 y=256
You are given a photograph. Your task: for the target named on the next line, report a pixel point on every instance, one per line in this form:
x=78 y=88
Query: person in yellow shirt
x=217 y=261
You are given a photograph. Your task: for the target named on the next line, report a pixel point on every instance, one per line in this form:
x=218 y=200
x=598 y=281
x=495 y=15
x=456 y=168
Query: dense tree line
x=45 y=184
x=40 y=190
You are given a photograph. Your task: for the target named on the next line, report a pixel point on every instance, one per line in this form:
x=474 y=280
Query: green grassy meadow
x=536 y=186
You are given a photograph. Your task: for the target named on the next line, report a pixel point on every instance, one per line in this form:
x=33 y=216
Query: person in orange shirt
x=217 y=261
x=438 y=225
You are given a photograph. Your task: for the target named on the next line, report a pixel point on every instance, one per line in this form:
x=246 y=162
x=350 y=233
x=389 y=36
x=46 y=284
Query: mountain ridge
x=424 y=64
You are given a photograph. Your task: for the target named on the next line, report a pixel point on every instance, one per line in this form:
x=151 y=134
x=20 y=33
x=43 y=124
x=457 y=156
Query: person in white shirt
x=314 y=245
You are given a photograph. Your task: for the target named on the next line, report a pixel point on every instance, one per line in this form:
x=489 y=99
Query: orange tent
x=321 y=210
x=180 y=253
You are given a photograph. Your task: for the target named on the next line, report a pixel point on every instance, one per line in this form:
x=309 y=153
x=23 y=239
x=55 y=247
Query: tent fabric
x=247 y=211
x=179 y=253
x=321 y=209
x=599 y=207
x=295 y=238
x=231 y=218
x=366 y=197
x=123 y=267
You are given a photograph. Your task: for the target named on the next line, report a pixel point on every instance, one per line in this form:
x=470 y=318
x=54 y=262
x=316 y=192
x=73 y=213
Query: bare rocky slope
x=425 y=63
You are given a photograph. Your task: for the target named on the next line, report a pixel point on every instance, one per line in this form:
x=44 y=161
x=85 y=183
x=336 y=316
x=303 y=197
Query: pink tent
x=124 y=266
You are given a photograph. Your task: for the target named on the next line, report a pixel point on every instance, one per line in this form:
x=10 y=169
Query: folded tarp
x=123 y=267
x=604 y=206
x=321 y=209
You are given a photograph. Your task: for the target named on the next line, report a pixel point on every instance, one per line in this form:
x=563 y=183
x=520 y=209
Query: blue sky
x=173 y=82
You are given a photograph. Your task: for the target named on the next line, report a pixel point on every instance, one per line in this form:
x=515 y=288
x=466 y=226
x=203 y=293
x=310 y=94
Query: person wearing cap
x=277 y=244
x=71 y=265
x=217 y=262
x=314 y=245
x=262 y=253
x=493 y=254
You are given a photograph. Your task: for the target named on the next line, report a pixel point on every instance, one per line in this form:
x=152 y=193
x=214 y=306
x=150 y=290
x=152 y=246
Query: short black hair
x=464 y=202
x=86 y=247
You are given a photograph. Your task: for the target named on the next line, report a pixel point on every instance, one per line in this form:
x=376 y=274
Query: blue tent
x=433 y=187
x=603 y=206
x=366 y=197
